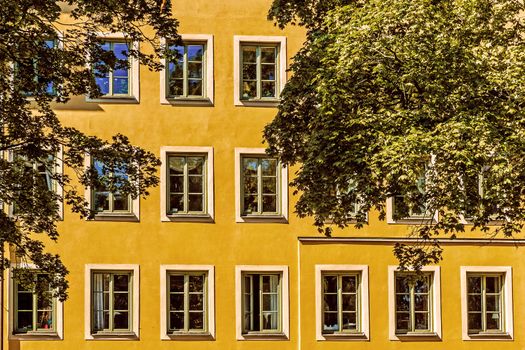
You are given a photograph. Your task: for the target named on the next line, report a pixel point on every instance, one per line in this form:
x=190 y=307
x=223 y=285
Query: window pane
x=249 y=71
x=402 y=321
x=269 y=204
x=195 y=87
x=493 y=320
x=103 y=84
x=421 y=286
x=176 y=184
x=176 y=87
x=120 y=50
x=250 y=166
x=176 y=320
x=121 y=320
x=176 y=203
x=195 y=70
x=195 y=202
x=269 y=185
x=249 y=89
x=268 y=55
x=195 y=184
x=195 y=165
x=177 y=283
x=196 y=302
x=121 y=282
x=421 y=302
x=268 y=72
x=402 y=285
x=250 y=184
x=268 y=89
x=101 y=201
x=24 y=321
x=120 y=203
x=120 y=301
x=120 y=86
x=45 y=302
x=196 y=283
x=177 y=302
x=196 y=320
x=25 y=301
x=176 y=70
x=474 y=303
x=474 y=321
x=177 y=165
x=349 y=284
x=421 y=321
x=330 y=284
x=403 y=302
x=249 y=54
x=349 y=302
x=493 y=303
x=250 y=204
x=330 y=322
x=492 y=284
x=474 y=285
x=195 y=52
x=270 y=320
x=349 y=320
x=330 y=302
x=45 y=319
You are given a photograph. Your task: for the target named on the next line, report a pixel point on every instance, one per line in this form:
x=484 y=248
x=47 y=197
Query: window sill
x=188 y=218
x=418 y=336
x=187 y=101
x=189 y=336
x=35 y=336
x=263 y=336
x=114 y=100
x=115 y=217
x=344 y=336
x=258 y=103
x=489 y=336
x=413 y=221
x=262 y=219
x=114 y=336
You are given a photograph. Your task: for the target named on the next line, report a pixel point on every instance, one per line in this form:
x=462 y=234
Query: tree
x=420 y=100
x=43 y=55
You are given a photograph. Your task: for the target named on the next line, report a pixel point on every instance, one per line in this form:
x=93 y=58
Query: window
x=260 y=69
x=112 y=301
x=486 y=302
x=187 y=183
x=121 y=84
x=341 y=302
x=262 y=302
x=36 y=67
x=262 y=186
x=34 y=313
x=414 y=303
x=105 y=201
x=189 y=78
x=187 y=301
x=35 y=316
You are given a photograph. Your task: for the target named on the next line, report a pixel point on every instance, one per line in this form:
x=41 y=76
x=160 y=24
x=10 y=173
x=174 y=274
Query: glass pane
x=270 y=320
x=121 y=320
x=120 y=86
x=195 y=70
x=120 y=50
x=249 y=71
x=268 y=72
x=268 y=89
x=349 y=302
x=120 y=203
x=25 y=301
x=349 y=284
x=330 y=322
x=270 y=302
x=421 y=302
x=474 y=285
x=195 y=87
x=402 y=321
x=195 y=165
x=269 y=167
x=474 y=303
x=493 y=320
x=268 y=55
x=421 y=321
x=195 y=52
x=45 y=319
x=103 y=84
x=195 y=184
x=269 y=284
x=249 y=89
x=421 y=285
x=176 y=70
x=24 y=321
x=269 y=204
x=176 y=184
x=250 y=184
x=177 y=283
x=176 y=301
x=176 y=87
x=176 y=320
x=330 y=284
x=249 y=54
x=121 y=282
x=402 y=302
x=330 y=302
x=195 y=202
x=45 y=302
x=474 y=321
x=196 y=320
x=101 y=201
x=176 y=203
x=493 y=303
x=196 y=283
x=269 y=185
x=177 y=165
x=120 y=301
x=402 y=285
x=196 y=302
x=492 y=284
x=121 y=72
x=250 y=166
x=349 y=320
x=250 y=204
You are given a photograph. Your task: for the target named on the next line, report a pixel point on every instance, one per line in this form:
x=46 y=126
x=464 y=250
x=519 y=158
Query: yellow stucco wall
x=224 y=243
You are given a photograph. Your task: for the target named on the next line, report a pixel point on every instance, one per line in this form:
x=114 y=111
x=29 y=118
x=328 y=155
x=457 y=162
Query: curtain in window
x=98 y=301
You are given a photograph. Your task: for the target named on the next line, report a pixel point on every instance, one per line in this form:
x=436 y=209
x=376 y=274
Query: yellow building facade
x=239 y=270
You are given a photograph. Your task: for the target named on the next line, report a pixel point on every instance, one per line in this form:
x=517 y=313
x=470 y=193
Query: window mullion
x=186 y=302
x=35 y=311
x=339 y=303
x=259 y=186
x=261 y=318
x=110 y=73
x=412 y=308
x=185 y=72
x=185 y=184
x=258 y=76
x=111 y=299
x=484 y=304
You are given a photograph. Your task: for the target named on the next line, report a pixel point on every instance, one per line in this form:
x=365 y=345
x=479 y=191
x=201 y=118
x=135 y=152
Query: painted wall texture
x=225 y=243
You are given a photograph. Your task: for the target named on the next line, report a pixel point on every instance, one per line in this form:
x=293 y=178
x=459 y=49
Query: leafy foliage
x=33 y=138
x=387 y=92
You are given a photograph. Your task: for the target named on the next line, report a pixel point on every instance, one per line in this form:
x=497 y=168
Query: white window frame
x=508 y=317
x=134 y=72
x=417 y=220
x=210 y=302
x=132 y=215
x=208 y=89
x=282 y=216
x=238 y=41
x=284 y=333
x=435 y=289
x=135 y=296
x=364 y=320
x=165 y=151
x=59 y=313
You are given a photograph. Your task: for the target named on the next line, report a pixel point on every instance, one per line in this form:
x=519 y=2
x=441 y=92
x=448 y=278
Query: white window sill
x=489 y=336
x=115 y=217
x=344 y=336
x=187 y=101
x=414 y=220
x=415 y=336
x=188 y=218
x=114 y=336
x=189 y=336
x=274 y=102
x=263 y=336
x=114 y=100
x=279 y=219
x=35 y=336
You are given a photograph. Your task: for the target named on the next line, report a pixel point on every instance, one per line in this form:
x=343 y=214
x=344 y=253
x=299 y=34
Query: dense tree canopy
x=34 y=75
x=420 y=100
